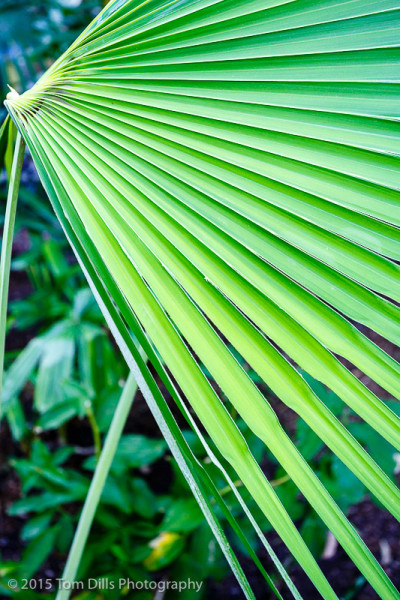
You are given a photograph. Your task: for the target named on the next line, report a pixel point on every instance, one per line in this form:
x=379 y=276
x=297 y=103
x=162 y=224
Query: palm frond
x=229 y=171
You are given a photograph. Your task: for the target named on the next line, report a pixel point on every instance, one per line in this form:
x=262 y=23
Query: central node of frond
x=24 y=106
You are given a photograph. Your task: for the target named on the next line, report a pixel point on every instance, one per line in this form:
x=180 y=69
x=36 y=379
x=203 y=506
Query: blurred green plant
x=71 y=361
x=136 y=532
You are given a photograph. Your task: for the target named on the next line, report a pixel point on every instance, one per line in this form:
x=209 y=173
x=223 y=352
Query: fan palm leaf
x=229 y=171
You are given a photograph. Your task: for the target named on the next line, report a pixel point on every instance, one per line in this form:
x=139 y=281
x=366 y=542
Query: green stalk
x=6 y=248
x=97 y=485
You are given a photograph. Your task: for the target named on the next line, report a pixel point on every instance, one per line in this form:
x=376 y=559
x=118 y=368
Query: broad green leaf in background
x=38 y=552
x=228 y=175
x=55 y=366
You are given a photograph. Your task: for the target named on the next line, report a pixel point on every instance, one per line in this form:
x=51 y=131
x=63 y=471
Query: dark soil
x=379 y=530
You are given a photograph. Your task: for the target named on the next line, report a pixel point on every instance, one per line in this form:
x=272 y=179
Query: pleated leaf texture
x=227 y=173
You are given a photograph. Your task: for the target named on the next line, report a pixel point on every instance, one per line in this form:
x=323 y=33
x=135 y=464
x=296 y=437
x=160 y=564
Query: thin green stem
x=274 y=483
x=6 y=248
x=97 y=485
